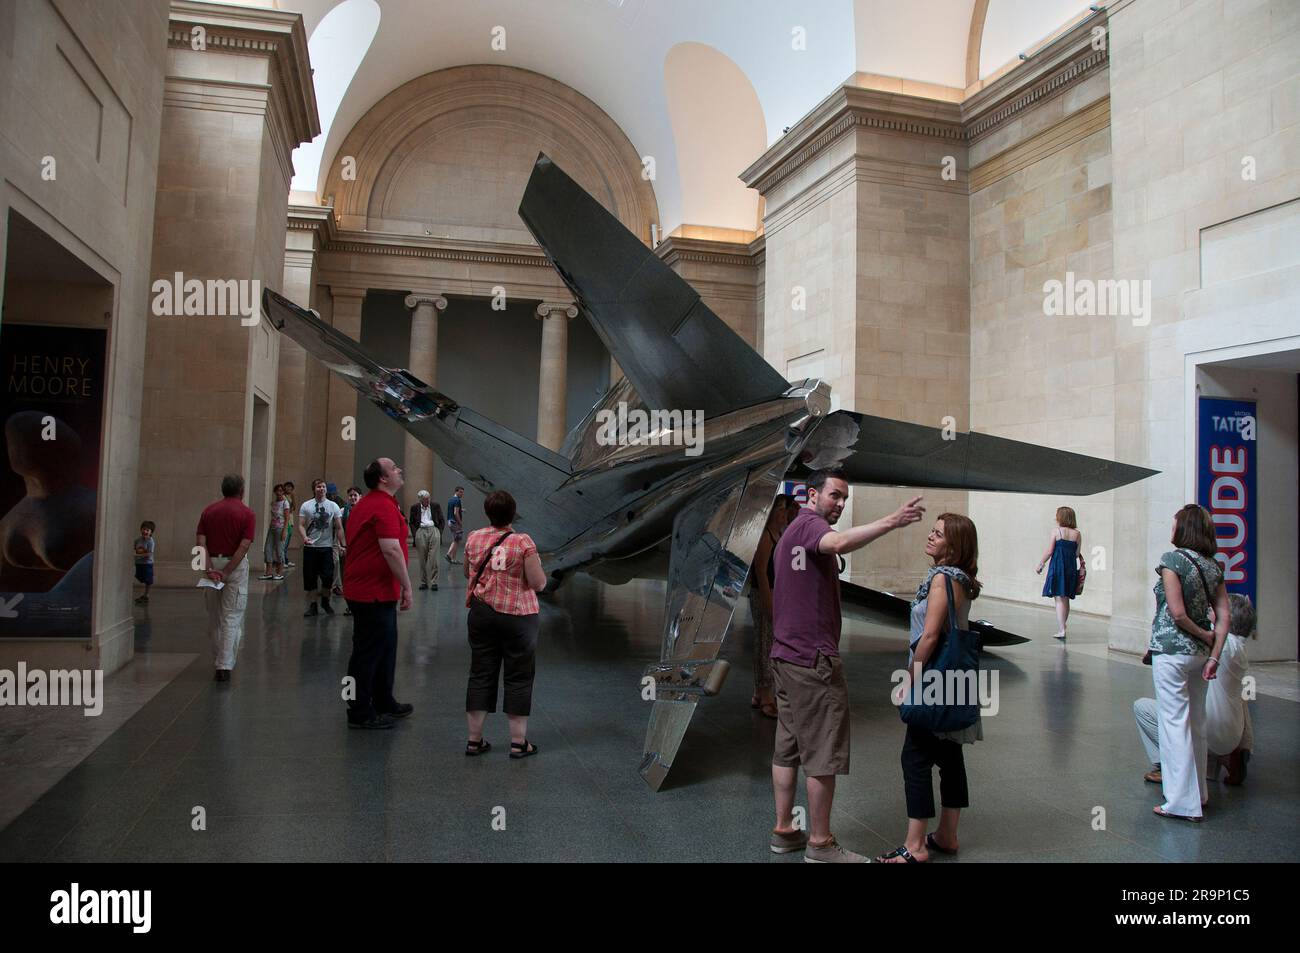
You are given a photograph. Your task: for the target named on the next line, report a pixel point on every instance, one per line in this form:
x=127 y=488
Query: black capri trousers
x=499 y=640
x=922 y=750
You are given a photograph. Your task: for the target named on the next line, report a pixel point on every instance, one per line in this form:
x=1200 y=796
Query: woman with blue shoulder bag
x=947 y=652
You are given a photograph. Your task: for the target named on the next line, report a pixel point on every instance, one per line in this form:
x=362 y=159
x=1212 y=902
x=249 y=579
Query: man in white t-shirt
x=320 y=524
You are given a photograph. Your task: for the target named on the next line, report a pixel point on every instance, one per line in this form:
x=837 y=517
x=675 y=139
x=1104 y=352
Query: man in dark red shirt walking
x=374 y=583
x=224 y=534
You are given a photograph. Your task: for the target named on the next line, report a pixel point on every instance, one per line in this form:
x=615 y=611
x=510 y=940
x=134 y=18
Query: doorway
x=1264 y=540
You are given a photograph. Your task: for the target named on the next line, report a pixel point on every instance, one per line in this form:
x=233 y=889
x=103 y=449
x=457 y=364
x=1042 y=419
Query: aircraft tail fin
x=676 y=353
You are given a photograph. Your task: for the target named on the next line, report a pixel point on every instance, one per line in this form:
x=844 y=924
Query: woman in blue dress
x=1065 y=571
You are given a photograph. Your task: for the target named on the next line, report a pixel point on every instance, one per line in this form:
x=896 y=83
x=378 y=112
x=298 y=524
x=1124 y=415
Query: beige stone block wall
x=232 y=114
x=291 y=455
x=726 y=275
x=1196 y=90
x=340 y=399
x=873 y=240
x=198 y=376
x=1048 y=380
x=912 y=336
x=82 y=82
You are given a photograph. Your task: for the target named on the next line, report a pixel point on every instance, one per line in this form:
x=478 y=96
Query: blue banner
x=1225 y=485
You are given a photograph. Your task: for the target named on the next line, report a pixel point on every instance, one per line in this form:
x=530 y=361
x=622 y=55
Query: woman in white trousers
x=1184 y=656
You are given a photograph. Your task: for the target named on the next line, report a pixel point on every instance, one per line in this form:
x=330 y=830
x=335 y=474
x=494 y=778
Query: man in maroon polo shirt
x=374 y=582
x=812 y=698
x=224 y=534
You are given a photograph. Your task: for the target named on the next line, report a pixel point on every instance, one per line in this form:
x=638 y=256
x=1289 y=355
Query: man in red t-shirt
x=224 y=534
x=374 y=581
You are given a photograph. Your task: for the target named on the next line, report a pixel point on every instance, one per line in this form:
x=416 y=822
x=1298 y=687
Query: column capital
x=201 y=35
x=548 y=308
x=418 y=298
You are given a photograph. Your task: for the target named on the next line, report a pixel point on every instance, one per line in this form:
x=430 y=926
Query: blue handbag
x=956 y=662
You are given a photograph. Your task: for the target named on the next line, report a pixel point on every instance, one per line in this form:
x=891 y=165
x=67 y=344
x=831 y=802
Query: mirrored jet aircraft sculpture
x=621 y=501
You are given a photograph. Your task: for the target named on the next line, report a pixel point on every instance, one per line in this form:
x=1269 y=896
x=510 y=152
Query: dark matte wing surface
x=675 y=351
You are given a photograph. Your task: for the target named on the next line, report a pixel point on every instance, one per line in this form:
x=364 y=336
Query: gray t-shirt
x=142 y=543
x=320 y=521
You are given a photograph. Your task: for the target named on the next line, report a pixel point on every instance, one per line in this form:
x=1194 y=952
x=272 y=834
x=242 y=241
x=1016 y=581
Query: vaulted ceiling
x=703 y=87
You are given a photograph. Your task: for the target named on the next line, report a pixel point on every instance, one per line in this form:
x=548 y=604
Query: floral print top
x=1166 y=637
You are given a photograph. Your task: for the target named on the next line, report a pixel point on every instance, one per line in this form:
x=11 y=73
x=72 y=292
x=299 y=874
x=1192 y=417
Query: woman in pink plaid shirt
x=505 y=574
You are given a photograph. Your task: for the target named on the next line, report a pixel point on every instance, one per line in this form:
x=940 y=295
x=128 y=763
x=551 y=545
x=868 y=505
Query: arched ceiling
x=617 y=52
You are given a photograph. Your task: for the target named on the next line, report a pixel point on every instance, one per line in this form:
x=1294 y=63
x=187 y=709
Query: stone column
x=234 y=107
x=423 y=363
x=299 y=410
x=867 y=278
x=341 y=399
x=554 y=377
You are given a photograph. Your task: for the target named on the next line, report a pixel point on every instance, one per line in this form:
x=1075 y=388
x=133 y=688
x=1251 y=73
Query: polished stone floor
x=278 y=776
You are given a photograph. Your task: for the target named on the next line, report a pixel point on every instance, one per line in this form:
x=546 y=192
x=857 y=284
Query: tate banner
x=51 y=418
x=1226 y=462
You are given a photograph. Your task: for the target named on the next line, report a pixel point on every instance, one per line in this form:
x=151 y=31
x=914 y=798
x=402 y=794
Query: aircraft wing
x=887 y=609
x=894 y=453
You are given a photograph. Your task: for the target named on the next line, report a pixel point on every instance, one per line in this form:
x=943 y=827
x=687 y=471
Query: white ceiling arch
x=715 y=135
x=922 y=40
x=611 y=52
x=338 y=43
x=1012 y=27
x=615 y=52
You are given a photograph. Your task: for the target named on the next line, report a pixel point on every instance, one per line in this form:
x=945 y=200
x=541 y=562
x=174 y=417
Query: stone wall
x=233 y=111
x=1040 y=207
x=82 y=83
x=867 y=281
x=1205 y=130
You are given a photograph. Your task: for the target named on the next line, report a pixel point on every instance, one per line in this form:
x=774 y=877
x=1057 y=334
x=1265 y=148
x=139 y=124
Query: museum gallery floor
x=280 y=779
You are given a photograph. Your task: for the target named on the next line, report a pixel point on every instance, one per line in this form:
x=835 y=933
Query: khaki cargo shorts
x=812 y=716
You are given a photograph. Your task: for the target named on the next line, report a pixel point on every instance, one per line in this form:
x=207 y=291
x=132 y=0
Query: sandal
x=898 y=852
x=768 y=710
x=475 y=748
x=933 y=844
x=1153 y=776
x=1161 y=812
x=524 y=749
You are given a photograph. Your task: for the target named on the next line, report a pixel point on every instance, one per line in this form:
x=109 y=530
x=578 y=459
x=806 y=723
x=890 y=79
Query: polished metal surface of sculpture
x=633 y=492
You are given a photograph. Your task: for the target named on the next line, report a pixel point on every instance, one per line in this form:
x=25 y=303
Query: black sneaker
x=424 y=585
x=378 y=721
x=325 y=604
x=311 y=611
x=434 y=587
x=401 y=711
x=222 y=675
